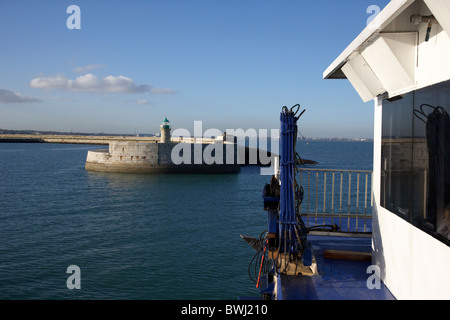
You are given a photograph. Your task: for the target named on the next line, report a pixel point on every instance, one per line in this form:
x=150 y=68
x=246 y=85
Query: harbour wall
x=71 y=139
x=144 y=157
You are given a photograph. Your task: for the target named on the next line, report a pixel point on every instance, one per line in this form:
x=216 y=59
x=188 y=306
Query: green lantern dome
x=165 y=124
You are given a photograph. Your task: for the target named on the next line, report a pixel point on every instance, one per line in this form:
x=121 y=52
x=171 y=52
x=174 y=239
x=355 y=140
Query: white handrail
x=328 y=205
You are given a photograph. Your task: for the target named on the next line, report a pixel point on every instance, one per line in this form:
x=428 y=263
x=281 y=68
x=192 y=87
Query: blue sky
x=230 y=63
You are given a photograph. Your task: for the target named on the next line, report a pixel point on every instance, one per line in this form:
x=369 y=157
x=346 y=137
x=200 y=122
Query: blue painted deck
x=338 y=279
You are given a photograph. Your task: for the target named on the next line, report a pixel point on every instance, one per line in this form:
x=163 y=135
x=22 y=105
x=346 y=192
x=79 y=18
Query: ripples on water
x=133 y=236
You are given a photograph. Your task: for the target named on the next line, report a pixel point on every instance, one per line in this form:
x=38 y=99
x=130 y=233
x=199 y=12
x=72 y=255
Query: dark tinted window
x=415 y=164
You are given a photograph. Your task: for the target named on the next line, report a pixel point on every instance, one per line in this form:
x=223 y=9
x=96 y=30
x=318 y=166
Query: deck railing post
x=330 y=214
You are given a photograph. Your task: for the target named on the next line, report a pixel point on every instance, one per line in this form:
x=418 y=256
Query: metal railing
x=335 y=197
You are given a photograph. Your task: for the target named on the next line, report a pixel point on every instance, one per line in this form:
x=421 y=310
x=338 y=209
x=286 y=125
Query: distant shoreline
x=103 y=138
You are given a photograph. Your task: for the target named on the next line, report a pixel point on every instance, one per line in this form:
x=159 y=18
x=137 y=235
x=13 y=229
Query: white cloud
x=87 y=68
x=58 y=82
x=90 y=83
x=142 y=101
x=9 y=96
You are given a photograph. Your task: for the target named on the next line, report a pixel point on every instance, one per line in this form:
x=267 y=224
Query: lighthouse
x=165 y=131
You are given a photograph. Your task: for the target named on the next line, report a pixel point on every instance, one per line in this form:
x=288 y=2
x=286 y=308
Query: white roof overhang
x=383 y=59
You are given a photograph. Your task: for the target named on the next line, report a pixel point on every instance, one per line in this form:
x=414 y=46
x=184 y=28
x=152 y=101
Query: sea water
x=133 y=236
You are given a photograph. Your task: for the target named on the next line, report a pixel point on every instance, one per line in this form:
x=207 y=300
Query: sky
x=232 y=64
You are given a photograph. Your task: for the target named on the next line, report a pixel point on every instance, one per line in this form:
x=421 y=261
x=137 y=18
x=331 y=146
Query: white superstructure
x=401 y=61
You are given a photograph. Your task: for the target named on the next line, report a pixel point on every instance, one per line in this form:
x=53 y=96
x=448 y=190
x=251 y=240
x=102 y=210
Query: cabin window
x=415 y=163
